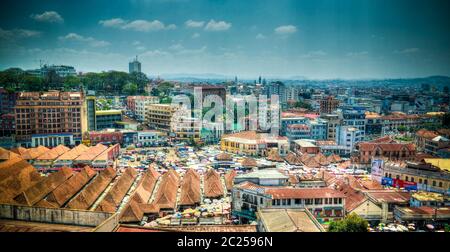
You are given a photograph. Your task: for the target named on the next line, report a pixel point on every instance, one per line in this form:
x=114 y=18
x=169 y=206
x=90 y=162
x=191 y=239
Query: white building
x=348 y=136
x=142 y=103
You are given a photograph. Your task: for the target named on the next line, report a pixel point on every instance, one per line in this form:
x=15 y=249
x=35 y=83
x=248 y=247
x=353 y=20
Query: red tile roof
x=303 y=193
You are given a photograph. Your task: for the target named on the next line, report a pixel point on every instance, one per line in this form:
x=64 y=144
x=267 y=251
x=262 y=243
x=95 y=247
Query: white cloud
x=137 y=25
x=194 y=24
x=153 y=53
x=407 y=51
x=195 y=35
x=141 y=48
x=286 y=30
x=260 y=36
x=115 y=22
x=89 y=40
x=176 y=47
x=48 y=17
x=18 y=34
x=217 y=25
x=136 y=43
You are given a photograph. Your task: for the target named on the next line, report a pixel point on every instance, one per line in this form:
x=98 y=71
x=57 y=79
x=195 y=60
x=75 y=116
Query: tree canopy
x=351 y=223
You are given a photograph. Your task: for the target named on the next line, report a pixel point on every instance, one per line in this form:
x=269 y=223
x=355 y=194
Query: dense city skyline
x=313 y=39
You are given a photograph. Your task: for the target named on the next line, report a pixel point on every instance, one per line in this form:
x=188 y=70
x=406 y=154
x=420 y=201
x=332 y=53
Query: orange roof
x=353 y=197
x=190 y=188
x=53 y=153
x=115 y=195
x=249 y=162
x=367 y=146
x=73 y=153
x=19 y=150
x=6 y=154
x=34 y=152
x=229 y=179
x=428 y=134
x=166 y=195
x=224 y=157
x=213 y=187
x=92 y=152
x=390 y=196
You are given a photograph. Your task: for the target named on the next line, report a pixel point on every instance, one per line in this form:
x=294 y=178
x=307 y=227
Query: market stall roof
x=292 y=159
x=224 y=157
x=166 y=195
x=289 y=220
x=37 y=192
x=274 y=156
x=249 y=162
x=6 y=154
x=92 y=152
x=118 y=191
x=229 y=179
x=19 y=150
x=34 y=152
x=73 y=153
x=93 y=190
x=53 y=153
x=190 y=188
x=16 y=175
x=334 y=158
x=70 y=187
x=213 y=187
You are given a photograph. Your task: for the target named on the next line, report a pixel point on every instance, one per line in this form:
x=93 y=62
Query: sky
x=316 y=39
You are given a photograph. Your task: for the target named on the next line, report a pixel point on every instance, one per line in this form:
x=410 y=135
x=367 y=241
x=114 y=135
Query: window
x=335 y=201
x=412 y=179
x=261 y=201
x=406 y=178
x=298 y=201
x=440 y=184
x=425 y=181
x=420 y=181
x=434 y=183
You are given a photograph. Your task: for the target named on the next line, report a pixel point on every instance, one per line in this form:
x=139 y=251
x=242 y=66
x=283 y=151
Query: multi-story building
x=47 y=113
x=374 y=124
x=254 y=144
x=91 y=112
x=107 y=119
x=319 y=129
x=277 y=88
x=159 y=116
x=150 y=137
x=432 y=146
x=354 y=116
x=328 y=105
x=422 y=136
x=427 y=176
x=186 y=128
x=333 y=121
x=290 y=119
x=392 y=122
x=324 y=203
x=298 y=131
x=349 y=136
x=105 y=137
x=134 y=66
x=7 y=119
x=391 y=150
x=141 y=105
x=60 y=70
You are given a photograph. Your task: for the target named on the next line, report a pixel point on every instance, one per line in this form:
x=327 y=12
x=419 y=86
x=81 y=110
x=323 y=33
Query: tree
x=351 y=223
x=301 y=104
x=130 y=89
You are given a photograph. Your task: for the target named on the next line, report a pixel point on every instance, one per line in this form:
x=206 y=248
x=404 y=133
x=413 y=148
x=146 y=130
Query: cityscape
x=132 y=120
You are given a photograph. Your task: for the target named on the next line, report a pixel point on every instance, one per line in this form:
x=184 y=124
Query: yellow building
x=253 y=144
x=159 y=116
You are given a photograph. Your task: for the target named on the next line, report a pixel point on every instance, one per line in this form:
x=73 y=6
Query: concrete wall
x=109 y=225
x=53 y=215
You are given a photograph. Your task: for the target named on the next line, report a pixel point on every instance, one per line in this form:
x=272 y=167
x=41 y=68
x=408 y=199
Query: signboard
x=398 y=183
x=377 y=170
x=387 y=181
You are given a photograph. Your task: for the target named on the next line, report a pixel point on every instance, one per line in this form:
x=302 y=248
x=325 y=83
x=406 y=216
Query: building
x=159 y=116
x=49 y=113
x=425 y=177
x=349 y=136
x=150 y=138
x=253 y=144
x=186 y=128
x=7 y=118
x=134 y=66
x=422 y=136
x=218 y=90
x=288 y=119
x=107 y=119
x=91 y=108
x=432 y=146
x=305 y=147
x=430 y=199
x=421 y=216
x=325 y=204
x=263 y=177
x=60 y=70
x=105 y=137
x=287 y=220
x=374 y=124
x=298 y=131
x=277 y=88
x=141 y=105
x=354 y=116
x=369 y=151
x=328 y=105
x=333 y=121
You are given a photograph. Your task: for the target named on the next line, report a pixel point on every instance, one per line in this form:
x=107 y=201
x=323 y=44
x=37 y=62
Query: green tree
x=130 y=89
x=351 y=223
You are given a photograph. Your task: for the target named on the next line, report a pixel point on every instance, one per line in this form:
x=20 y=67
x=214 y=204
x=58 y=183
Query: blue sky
x=317 y=39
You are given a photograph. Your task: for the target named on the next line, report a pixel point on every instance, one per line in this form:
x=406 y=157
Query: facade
x=432 y=146
x=7 y=118
x=305 y=147
x=298 y=131
x=427 y=177
x=150 y=138
x=349 y=136
x=53 y=112
x=277 y=88
x=134 y=66
x=105 y=137
x=369 y=151
x=328 y=105
x=60 y=70
x=141 y=105
x=186 y=128
x=91 y=112
x=286 y=121
x=254 y=144
x=52 y=139
x=324 y=203
x=333 y=121
x=374 y=125
x=159 y=116
x=355 y=117
x=106 y=119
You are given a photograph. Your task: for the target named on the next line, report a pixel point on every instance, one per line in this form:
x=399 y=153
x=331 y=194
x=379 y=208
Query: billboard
x=377 y=170
x=398 y=183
